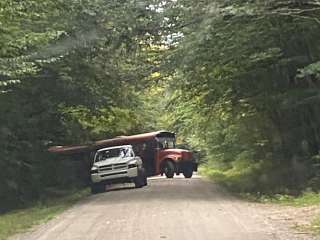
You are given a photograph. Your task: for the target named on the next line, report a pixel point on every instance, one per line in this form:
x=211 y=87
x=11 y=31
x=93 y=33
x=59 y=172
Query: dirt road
x=169 y=209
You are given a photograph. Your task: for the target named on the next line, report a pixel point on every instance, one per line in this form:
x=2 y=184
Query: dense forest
x=237 y=80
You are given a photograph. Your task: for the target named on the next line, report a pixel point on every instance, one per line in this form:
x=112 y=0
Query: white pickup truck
x=117 y=164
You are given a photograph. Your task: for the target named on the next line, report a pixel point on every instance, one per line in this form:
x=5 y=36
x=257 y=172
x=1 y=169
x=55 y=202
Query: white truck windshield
x=112 y=153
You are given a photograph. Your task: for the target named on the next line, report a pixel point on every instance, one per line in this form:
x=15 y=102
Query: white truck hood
x=114 y=160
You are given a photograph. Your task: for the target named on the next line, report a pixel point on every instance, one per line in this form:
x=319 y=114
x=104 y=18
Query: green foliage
x=238 y=80
x=306 y=198
x=22 y=219
x=70 y=72
x=245 y=89
x=312 y=70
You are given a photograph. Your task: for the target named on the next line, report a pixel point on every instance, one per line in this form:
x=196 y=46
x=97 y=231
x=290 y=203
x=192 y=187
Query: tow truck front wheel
x=169 y=169
x=188 y=171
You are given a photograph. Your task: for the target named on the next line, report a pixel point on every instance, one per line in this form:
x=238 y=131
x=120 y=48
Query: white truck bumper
x=114 y=174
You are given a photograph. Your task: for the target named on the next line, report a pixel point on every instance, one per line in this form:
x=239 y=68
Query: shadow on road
x=119 y=188
x=162 y=189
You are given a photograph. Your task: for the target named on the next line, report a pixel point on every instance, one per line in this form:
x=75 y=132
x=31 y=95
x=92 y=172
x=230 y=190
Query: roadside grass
x=20 y=220
x=258 y=187
x=307 y=198
x=312 y=226
x=239 y=185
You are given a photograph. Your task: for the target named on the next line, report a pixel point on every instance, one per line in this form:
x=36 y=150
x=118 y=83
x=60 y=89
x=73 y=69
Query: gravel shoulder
x=172 y=209
x=291 y=220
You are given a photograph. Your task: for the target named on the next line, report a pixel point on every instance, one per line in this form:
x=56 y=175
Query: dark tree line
x=70 y=72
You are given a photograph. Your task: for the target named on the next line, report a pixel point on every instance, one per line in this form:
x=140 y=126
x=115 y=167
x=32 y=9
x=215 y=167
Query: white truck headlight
x=133 y=164
x=94 y=170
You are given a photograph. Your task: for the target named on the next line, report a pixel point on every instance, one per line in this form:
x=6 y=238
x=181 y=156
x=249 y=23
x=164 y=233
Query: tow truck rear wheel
x=188 y=171
x=97 y=188
x=169 y=169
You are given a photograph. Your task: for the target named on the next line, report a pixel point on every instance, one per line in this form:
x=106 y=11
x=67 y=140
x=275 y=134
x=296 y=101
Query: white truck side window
x=131 y=153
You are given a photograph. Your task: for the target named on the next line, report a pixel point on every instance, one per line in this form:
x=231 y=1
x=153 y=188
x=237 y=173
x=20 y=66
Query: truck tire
x=141 y=179
x=145 y=180
x=169 y=169
x=188 y=171
x=97 y=188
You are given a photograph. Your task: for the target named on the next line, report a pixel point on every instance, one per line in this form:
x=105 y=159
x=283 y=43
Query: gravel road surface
x=171 y=209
